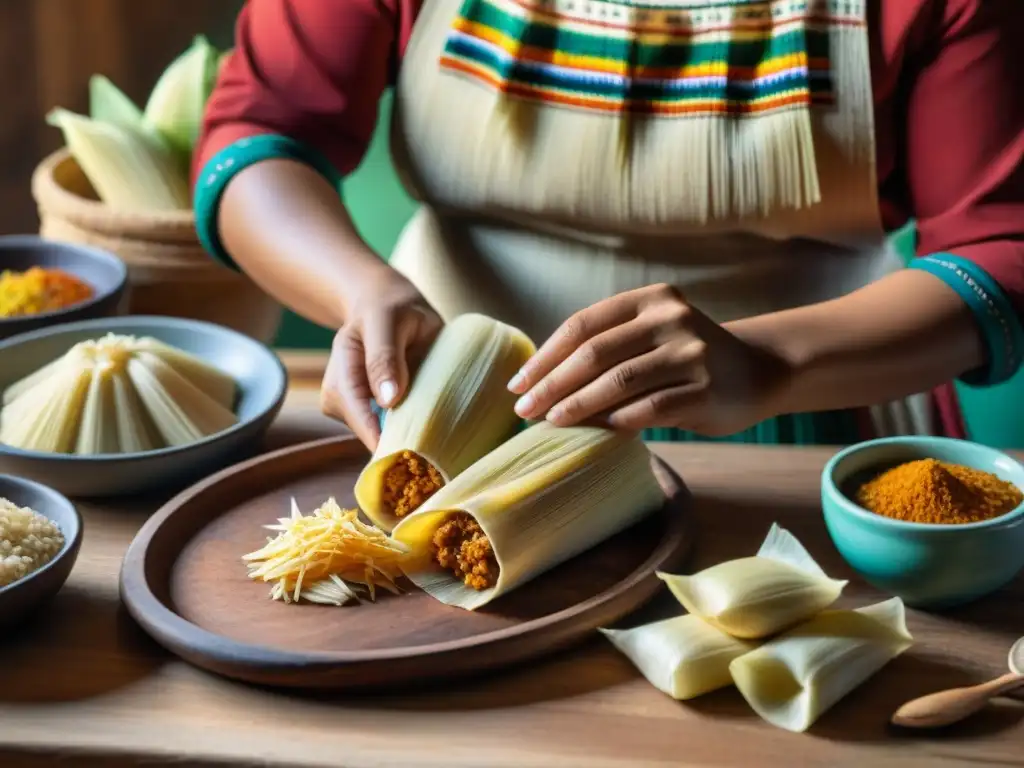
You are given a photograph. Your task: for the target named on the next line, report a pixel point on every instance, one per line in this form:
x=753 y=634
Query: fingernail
x=524 y=405
x=517 y=382
x=556 y=416
x=388 y=390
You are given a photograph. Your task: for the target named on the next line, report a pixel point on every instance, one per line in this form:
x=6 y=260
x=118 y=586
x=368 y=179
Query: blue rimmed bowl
x=262 y=385
x=103 y=272
x=930 y=566
x=28 y=594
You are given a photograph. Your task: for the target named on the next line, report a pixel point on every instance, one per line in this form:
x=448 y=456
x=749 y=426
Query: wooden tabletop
x=83 y=683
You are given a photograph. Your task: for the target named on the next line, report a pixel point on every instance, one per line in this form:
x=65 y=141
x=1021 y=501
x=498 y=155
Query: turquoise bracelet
x=222 y=167
x=996 y=317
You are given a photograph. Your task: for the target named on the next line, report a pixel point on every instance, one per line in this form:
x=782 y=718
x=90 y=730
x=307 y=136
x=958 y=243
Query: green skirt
x=826 y=428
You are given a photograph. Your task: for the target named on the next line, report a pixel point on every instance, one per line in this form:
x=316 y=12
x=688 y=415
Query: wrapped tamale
x=534 y=502
x=458 y=408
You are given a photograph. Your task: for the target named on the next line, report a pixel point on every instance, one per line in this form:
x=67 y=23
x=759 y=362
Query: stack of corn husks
x=138 y=159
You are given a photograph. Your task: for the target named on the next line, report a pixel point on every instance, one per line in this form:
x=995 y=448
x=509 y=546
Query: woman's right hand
x=388 y=330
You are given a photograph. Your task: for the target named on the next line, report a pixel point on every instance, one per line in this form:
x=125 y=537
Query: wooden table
x=82 y=682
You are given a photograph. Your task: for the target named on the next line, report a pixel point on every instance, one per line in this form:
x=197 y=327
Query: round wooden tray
x=184 y=581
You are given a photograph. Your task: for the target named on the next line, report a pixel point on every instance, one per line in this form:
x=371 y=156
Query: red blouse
x=948 y=79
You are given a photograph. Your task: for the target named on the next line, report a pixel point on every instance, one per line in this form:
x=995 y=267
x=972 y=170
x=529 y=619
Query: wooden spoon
x=955 y=704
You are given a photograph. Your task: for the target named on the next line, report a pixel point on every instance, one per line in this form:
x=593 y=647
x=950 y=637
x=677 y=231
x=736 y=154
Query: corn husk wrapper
x=541 y=498
x=683 y=657
x=793 y=679
x=754 y=597
x=117 y=394
x=457 y=409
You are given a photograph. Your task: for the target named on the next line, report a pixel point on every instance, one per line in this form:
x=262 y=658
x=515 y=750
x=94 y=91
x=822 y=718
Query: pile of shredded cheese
x=318 y=557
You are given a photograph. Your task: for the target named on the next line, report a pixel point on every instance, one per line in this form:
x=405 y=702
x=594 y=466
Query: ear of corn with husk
x=754 y=597
x=117 y=394
x=457 y=409
x=793 y=679
x=541 y=498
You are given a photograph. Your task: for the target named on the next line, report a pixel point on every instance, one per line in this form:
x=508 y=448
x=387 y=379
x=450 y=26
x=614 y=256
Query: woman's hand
x=387 y=332
x=644 y=359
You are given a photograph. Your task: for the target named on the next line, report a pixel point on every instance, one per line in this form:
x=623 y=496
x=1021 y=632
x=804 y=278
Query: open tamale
x=457 y=409
x=534 y=502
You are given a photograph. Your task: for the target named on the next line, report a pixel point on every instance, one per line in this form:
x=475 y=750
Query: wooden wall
x=48 y=50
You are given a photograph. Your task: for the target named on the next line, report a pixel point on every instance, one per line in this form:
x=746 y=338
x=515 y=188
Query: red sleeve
x=964 y=141
x=313 y=70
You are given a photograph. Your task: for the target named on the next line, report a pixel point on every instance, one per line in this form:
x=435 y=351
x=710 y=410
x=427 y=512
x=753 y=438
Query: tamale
x=457 y=409
x=683 y=657
x=793 y=679
x=534 y=502
x=754 y=597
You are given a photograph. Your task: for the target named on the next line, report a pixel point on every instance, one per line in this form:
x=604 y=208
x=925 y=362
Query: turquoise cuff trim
x=996 y=317
x=226 y=164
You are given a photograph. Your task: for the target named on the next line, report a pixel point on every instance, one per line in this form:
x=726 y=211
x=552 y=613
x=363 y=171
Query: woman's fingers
x=345 y=393
x=671 y=407
x=593 y=359
x=664 y=367
x=575 y=332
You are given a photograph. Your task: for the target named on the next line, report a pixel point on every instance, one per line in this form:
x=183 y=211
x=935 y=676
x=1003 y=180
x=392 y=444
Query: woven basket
x=169 y=273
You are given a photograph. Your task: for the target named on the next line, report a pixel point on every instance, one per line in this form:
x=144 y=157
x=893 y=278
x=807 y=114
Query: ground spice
x=40 y=290
x=930 y=491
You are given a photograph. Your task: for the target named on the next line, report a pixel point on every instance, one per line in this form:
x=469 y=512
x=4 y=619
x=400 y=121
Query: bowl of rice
x=40 y=535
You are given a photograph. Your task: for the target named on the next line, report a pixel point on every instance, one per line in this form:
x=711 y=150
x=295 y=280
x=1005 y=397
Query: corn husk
x=754 y=597
x=683 y=657
x=117 y=394
x=127 y=170
x=457 y=409
x=109 y=104
x=175 y=106
x=793 y=679
x=541 y=498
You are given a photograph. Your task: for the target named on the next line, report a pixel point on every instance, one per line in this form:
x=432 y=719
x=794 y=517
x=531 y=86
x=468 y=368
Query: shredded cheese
x=318 y=557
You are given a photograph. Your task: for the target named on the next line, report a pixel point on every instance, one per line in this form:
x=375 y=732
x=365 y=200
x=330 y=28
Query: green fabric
x=827 y=428
x=229 y=162
x=998 y=321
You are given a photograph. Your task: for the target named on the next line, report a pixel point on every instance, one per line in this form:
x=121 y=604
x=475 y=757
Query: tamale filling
x=409 y=482
x=461 y=546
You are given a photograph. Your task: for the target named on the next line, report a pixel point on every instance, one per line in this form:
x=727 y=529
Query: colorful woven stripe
x=689 y=58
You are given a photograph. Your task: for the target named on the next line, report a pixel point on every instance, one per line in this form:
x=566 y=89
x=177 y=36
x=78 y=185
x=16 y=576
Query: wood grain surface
x=83 y=682
x=184 y=581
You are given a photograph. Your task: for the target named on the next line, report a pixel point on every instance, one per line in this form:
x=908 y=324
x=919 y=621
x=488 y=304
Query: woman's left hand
x=647 y=358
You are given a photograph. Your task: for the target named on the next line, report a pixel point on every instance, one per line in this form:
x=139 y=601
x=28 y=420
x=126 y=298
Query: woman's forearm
x=287 y=228
x=899 y=336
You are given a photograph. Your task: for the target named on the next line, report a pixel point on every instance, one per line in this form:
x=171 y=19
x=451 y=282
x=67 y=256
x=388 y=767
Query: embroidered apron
x=568 y=150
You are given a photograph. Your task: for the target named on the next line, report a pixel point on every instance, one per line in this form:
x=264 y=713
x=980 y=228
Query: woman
x=688 y=199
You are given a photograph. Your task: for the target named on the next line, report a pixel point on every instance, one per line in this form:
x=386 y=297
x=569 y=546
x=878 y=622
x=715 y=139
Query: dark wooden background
x=49 y=49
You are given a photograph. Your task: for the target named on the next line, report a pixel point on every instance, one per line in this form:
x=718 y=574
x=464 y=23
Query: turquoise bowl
x=929 y=566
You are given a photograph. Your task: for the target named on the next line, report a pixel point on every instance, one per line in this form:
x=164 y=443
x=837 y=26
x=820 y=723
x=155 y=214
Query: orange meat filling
x=409 y=482
x=461 y=546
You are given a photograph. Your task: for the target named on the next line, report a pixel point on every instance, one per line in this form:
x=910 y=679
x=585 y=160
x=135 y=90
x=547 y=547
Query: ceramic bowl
x=930 y=566
x=106 y=273
x=262 y=382
x=19 y=599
